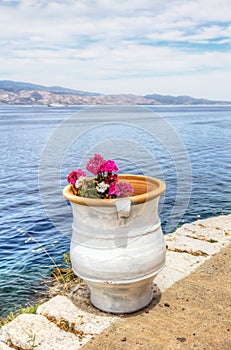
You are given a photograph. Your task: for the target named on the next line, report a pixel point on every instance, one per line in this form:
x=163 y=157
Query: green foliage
x=64 y=274
x=88 y=189
x=29 y=310
x=26 y=310
x=212 y=241
x=32 y=341
x=67 y=258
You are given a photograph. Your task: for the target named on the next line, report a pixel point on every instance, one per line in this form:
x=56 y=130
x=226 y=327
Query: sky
x=176 y=47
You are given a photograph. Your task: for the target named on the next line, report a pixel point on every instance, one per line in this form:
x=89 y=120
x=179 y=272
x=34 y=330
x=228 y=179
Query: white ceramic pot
x=117 y=245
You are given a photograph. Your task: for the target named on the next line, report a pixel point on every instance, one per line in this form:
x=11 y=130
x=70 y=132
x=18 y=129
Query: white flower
x=80 y=181
x=102 y=187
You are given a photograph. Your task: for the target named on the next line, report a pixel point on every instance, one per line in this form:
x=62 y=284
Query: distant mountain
x=14 y=86
x=22 y=93
x=180 y=100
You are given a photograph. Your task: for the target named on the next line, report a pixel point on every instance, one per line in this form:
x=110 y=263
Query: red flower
x=75 y=175
x=112 y=189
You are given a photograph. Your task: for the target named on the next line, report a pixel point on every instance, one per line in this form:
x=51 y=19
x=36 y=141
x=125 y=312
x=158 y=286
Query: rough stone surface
x=3 y=346
x=217 y=228
x=62 y=307
x=178 y=266
x=196 y=247
x=36 y=332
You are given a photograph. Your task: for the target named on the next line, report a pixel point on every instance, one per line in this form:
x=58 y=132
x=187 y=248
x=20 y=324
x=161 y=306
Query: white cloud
x=114 y=46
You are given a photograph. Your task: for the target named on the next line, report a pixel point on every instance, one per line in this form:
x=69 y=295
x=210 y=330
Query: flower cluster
x=105 y=183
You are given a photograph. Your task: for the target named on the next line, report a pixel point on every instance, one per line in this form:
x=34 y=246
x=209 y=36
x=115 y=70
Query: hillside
x=28 y=94
x=16 y=87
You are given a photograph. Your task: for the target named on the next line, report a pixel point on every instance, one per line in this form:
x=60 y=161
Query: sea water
x=189 y=147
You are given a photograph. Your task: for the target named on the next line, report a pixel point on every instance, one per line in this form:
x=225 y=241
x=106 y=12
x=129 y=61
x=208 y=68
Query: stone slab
x=3 y=346
x=197 y=247
x=184 y=262
x=86 y=322
x=29 y=331
x=214 y=228
x=178 y=266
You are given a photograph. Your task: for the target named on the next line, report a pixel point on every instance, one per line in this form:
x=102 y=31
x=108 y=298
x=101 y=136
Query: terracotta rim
x=145 y=189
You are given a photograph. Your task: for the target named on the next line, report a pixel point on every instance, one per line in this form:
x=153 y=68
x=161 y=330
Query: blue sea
x=188 y=147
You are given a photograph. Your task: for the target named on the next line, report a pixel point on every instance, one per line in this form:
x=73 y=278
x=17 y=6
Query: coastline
x=188 y=249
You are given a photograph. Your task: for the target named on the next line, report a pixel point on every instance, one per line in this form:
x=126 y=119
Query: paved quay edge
x=188 y=248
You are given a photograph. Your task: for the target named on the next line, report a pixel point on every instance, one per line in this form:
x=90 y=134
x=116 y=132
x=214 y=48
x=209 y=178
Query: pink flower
x=108 y=166
x=123 y=189
x=80 y=173
x=94 y=164
x=75 y=175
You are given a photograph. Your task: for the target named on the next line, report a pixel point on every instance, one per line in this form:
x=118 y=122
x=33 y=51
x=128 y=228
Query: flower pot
x=117 y=245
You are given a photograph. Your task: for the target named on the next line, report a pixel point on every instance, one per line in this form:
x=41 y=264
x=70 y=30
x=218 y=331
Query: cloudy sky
x=119 y=46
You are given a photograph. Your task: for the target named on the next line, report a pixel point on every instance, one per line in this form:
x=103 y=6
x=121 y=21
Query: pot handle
x=123 y=207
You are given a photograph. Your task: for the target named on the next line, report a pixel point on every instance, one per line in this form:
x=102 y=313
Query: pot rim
x=154 y=188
